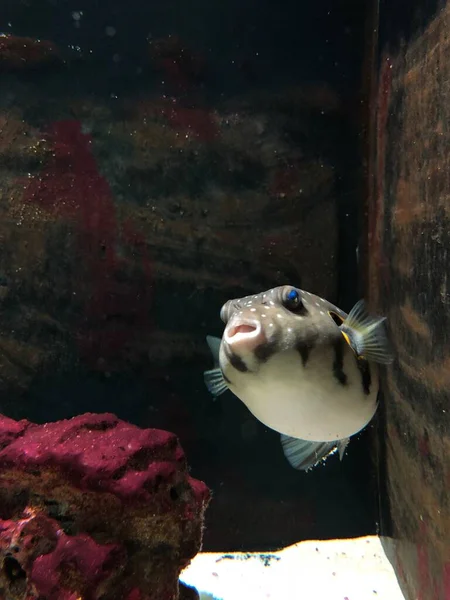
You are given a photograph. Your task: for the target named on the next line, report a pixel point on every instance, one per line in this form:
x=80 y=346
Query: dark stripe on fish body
x=304 y=352
x=366 y=377
x=238 y=363
x=338 y=364
x=234 y=360
x=264 y=351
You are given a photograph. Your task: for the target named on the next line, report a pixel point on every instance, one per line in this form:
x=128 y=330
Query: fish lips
x=244 y=335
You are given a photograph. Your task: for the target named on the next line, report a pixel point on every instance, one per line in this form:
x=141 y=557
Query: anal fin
x=304 y=455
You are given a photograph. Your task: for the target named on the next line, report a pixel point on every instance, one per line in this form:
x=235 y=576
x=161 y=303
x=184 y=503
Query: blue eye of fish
x=292 y=300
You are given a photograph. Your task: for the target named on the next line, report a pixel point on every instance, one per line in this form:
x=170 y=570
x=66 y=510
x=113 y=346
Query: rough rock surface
x=93 y=507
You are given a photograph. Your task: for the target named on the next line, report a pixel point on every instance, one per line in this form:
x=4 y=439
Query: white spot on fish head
x=253 y=309
x=270 y=324
x=317 y=304
x=272 y=303
x=263 y=315
x=280 y=316
x=321 y=312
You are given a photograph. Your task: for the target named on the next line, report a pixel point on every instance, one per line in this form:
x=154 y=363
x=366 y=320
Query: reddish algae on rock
x=94 y=507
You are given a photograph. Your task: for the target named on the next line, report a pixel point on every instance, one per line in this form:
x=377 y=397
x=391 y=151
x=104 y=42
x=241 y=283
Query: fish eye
x=292 y=300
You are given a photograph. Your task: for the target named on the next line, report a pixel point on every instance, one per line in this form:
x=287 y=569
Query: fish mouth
x=242 y=329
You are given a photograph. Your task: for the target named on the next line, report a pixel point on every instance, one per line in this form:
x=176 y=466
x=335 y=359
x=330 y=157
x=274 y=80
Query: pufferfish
x=302 y=366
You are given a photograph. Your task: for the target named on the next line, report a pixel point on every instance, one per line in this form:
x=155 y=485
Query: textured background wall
x=154 y=161
x=409 y=251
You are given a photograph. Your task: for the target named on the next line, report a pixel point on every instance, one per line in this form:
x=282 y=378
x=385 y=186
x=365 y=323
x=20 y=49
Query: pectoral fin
x=215 y=382
x=214 y=379
x=366 y=335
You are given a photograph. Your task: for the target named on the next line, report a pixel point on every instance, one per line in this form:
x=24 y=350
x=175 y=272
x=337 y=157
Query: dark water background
x=251 y=49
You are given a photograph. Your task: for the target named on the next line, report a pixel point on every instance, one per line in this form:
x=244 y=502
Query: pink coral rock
x=92 y=508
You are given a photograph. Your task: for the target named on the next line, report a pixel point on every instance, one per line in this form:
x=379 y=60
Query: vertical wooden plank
x=409 y=243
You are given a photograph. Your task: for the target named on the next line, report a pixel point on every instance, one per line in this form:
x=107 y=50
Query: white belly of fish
x=308 y=402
